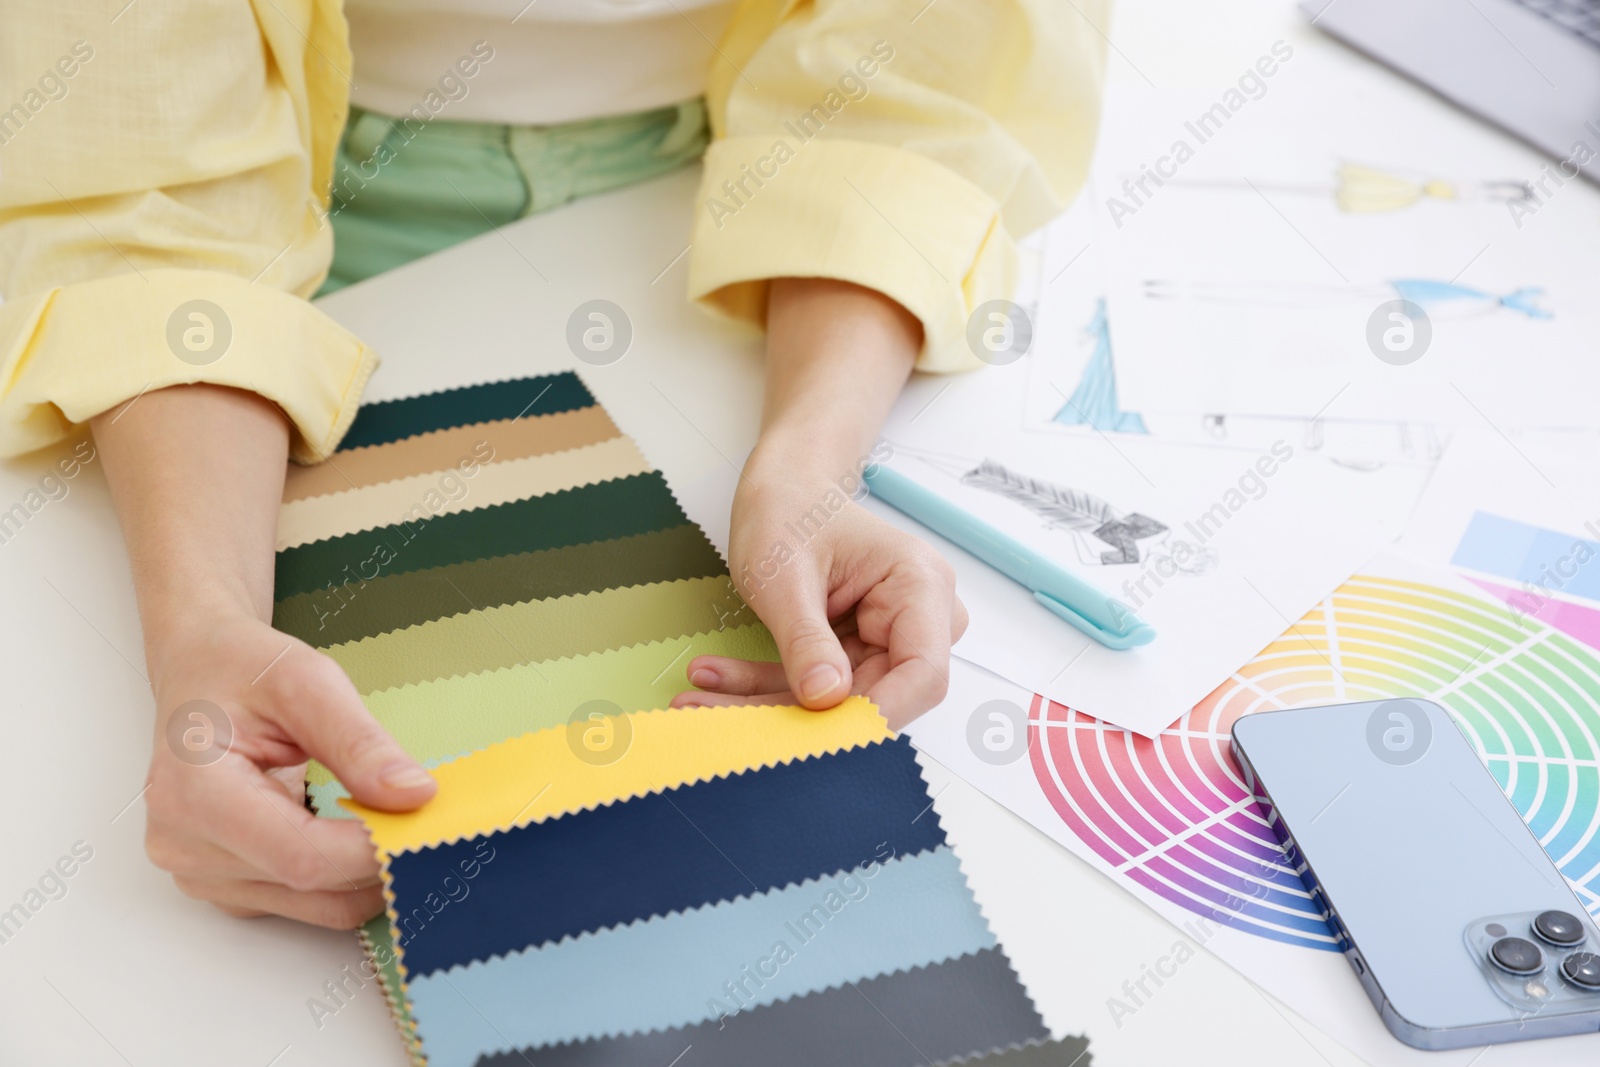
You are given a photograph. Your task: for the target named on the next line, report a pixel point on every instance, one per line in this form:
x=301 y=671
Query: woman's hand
x=855 y=605
x=197 y=475
x=240 y=707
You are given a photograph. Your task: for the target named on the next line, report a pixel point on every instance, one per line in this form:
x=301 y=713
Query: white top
x=531 y=63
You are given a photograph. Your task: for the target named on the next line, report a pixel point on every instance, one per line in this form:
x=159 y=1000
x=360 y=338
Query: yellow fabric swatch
x=538 y=630
x=424 y=496
x=542 y=775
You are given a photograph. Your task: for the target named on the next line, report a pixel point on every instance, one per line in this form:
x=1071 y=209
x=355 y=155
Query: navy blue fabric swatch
x=639 y=503
x=394 y=420
x=687 y=847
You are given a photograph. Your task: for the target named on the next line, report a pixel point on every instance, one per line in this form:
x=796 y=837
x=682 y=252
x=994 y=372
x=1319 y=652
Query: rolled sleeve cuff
x=71 y=353
x=879 y=216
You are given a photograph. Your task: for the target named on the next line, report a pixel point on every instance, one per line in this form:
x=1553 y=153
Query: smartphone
x=1458 y=925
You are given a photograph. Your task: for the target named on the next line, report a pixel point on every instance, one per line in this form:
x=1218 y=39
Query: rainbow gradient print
x=1173 y=813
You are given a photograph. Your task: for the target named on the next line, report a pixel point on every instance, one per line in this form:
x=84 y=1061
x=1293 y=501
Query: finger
x=864 y=677
x=917 y=632
x=310 y=697
x=958 y=618
x=337 y=911
x=242 y=813
x=870 y=672
x=723 y=674
x=815 y=664
x=199 y=858
x=731 y=700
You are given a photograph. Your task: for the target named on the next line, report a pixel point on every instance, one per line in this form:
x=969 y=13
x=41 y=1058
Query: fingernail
x=705 y=678
x=819 y=681
x=403 y=774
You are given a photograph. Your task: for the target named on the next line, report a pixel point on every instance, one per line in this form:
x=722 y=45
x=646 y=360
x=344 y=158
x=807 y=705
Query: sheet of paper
x=1171 y=822
x=1215 y=548
x=1268 y=247
x=1072 y=369
x=1519 y=517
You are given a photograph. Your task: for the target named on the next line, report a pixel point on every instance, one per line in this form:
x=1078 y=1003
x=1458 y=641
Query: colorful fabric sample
x=514 y=593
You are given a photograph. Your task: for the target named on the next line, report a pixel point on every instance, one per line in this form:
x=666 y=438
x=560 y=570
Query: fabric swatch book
x=601 y=879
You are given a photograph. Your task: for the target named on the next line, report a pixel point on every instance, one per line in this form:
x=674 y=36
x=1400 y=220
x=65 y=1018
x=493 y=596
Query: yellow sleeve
x=163 y=210
x=898 y=149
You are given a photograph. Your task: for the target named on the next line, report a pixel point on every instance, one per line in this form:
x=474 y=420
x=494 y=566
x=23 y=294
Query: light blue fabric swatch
x=696 y=965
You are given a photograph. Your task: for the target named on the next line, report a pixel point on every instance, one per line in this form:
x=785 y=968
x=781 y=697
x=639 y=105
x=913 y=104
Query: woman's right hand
x=197 y=475
x=240 y=707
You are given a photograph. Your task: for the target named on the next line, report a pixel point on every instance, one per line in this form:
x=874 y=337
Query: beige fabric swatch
x=436 y=493
x=441 y=450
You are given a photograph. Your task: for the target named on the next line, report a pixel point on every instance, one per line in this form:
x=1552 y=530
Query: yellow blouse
x=174 y=152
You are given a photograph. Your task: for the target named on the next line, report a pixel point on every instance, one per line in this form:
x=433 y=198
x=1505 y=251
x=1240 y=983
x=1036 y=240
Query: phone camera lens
x=1517 y=955
x=1558 y=927
x=1582 y=969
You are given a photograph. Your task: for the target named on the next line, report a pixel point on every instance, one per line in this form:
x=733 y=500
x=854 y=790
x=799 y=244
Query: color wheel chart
x=1173 y=815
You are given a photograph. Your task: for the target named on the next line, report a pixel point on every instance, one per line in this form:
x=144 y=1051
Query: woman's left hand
x=855 y=605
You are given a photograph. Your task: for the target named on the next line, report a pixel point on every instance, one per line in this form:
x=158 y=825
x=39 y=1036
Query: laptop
x=1531 y=67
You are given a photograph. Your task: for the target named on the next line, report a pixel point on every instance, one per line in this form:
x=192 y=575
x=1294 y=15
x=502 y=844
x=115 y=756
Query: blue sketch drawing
x=1439 y=299
x=1432 y=296
x=1094 y=402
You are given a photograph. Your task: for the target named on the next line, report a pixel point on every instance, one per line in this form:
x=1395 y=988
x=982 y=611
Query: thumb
x=313 y=700
x=814 y=662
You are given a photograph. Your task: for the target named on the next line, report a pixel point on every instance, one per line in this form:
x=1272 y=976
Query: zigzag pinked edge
x=951 y=840
x=551 y=377
x=433 y=571
x=612 y=1035
x=720 y=904
x=552 y=600
x=488 y=507
x=500 y=828
x=1084 y=1059
x=487 y=423
x=653 y=642
x=608 y=442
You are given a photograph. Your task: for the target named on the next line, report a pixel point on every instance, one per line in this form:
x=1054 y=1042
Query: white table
x=123 y=969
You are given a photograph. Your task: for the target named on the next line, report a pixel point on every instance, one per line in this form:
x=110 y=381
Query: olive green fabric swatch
x=540 y=630
x=393 y=602
x=441 y=719
x=639 y=503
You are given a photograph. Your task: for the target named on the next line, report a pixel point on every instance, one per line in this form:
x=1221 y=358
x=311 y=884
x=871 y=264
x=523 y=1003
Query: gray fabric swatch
x=927 y=1015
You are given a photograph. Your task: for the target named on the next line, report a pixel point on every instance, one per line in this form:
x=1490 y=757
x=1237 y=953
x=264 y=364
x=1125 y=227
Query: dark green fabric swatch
x=640 y=503
x=395 y=601
x=973 y=1003
x=391 y=420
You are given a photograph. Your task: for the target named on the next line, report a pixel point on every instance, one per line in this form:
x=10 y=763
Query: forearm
x=196 y=473
x=837 y=357
x=853 y=604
